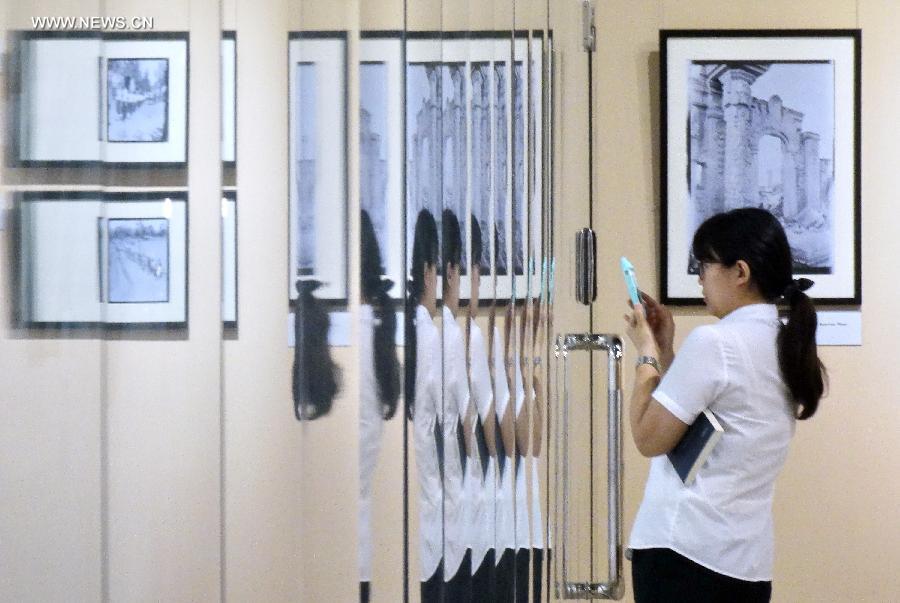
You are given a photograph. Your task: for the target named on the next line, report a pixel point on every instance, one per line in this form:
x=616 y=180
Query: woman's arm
x=654 y=428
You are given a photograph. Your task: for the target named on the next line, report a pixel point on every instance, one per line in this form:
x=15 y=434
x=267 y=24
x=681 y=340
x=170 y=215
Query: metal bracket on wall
x=588 y=32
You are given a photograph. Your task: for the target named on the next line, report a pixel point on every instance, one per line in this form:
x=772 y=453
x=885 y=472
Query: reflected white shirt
x=371 y=426
x=455 y=403
x=523 y=530
x=505 y=513
x=723 y=520
x=425 y=420
x=480 y=486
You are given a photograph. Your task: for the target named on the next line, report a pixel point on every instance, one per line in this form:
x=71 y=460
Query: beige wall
x=178 y=456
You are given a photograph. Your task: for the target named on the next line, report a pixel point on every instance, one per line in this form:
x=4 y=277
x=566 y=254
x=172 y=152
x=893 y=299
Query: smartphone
x=630 y=281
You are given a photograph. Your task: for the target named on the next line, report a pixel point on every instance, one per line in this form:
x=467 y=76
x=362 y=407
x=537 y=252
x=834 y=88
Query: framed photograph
x=89 y=259
x=318 y=162
x=229 y=97
x=381 y=147
x=479 y=90
x=770 y=119
x=229 y=259
x=113 y=98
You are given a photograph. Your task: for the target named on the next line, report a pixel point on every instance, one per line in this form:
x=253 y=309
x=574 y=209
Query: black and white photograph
x=115 y=258
x=501 y=162
x=454 y=147
x=468 y=145
x=317 y=211
x=518 y=155
x=481 y=157
x=766 y=120
x=381 y=163
x=424 y=144
x=535 y=154
x=113 y=98
x=780 y=149
x=305 y=171
x=138 y=256
x=137 y=94
x=373 y=151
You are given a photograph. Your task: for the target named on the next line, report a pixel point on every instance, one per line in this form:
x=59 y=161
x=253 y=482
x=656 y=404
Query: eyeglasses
x=704 y=266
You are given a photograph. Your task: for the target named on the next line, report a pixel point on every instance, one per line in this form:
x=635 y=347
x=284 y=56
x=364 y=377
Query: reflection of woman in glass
x=481 y=477
x=523 y=397
x=423 y=400
x=506 y=450
x=458 y=423
x=379 y=387
x=538 y=347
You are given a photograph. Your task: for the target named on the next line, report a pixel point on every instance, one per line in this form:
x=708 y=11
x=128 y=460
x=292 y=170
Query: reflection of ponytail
x=375 y=290
x=315 y=375
x=797 y=355
x=409 y=349
x=387 y=368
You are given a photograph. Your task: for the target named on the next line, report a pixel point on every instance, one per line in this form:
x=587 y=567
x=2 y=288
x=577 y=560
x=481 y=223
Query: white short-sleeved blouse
x=723 y=520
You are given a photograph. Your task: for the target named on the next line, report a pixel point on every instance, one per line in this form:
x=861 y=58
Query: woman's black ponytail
x=387 y=367
x=755 y=236
x=315 y=376
x=376 y=291
x=798 y=357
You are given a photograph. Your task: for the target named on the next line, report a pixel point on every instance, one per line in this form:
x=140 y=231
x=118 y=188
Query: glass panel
x=113 y=414
x=382 y=318
x=430 y=447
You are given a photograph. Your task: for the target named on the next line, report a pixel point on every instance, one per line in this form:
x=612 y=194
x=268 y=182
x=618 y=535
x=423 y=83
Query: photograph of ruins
x=761 y=134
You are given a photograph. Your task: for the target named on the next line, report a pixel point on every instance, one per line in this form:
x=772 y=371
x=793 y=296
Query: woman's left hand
x=640 y=333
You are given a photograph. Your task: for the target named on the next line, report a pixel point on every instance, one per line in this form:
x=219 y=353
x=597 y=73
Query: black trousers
x=458 y=589
x=484 y=580
x=537 y=567
x=506 y=577
x=662 y=576
x=523 y=562
x=432 y=589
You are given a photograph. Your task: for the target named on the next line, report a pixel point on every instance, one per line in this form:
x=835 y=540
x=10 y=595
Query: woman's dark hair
x=314 y=376
x=375 y=290
x=424 y=253
x=755 y=236
x=451 y=240
x=477 y=244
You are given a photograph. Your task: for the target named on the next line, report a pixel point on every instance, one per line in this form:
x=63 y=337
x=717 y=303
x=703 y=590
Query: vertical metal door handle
x=585 y=266
x=614 y=587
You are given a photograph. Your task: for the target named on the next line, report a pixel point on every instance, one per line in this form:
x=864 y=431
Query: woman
x=481 y=477
x=379 y=388
x=458 y=422
x=713 y=540
x=423 y=401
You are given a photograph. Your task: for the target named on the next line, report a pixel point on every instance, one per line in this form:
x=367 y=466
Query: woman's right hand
x=661 y=323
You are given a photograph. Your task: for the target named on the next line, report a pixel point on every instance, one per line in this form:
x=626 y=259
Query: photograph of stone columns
x=761 y=134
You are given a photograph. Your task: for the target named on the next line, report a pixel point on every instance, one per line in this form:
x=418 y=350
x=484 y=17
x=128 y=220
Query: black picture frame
x=87 y=54
x=63 y=256
x=735 y=102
